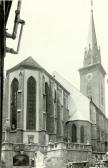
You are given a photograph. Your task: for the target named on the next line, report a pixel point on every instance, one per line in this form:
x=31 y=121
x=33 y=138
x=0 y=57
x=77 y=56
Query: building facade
x=48 y=121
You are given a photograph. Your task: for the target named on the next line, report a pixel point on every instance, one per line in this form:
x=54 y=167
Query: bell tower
x=92 y=74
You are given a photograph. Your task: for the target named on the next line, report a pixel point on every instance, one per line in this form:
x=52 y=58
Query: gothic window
x=58 y=118
x=74 y=133
x=31 y=104
x=49 y=109
x=43 y=94
x=13 y=110
x=82 y=134
x=59 y=112
x=47 y=105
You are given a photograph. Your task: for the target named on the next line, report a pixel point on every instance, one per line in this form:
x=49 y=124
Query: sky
x=55 y=35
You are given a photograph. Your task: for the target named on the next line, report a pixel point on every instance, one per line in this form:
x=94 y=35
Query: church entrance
x=21 y=160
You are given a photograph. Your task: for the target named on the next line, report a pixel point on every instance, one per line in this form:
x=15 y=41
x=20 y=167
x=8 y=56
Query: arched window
x=47 y=105
x=13 y=106
x=31 y=103
x=49 y=109
x=82 y=134
x=21 y=160
x=74 y=133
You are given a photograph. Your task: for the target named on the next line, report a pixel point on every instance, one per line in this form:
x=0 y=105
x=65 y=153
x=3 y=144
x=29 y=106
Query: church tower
x=92 y=74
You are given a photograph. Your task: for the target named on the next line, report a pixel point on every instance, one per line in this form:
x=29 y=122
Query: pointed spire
x=92 y=54
x=92 y=40
x=91 y=5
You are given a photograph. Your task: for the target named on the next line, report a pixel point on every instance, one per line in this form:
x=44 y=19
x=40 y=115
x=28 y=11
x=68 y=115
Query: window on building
x=82 y=134
x=31 y=104
x=59 y=112
x=13 y=106
x=74 y=133
x=43 y=94
x=30 y=139
x=49 y=109
x=47 y=105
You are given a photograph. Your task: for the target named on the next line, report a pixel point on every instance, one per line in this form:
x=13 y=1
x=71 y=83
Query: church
x=47 y=121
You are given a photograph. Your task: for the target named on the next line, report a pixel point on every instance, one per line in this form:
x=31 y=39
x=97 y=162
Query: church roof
x=29 y=63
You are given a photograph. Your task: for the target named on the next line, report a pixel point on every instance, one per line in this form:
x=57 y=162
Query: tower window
x=13 y=110
x=31 y=103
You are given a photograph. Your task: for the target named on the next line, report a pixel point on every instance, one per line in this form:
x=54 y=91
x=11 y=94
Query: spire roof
x=92 y=51
x=92 y=40
x=29 y=63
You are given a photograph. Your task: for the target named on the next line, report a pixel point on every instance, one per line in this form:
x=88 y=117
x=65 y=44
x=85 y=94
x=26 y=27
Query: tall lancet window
x=74 y=133
x=49 y=109
x=44 y=103
x=31 y=104
x=82 y=134
x=13 y=106
x=43 y=94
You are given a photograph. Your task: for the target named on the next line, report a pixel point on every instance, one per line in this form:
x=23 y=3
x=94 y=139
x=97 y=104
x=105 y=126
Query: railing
x=69 y=146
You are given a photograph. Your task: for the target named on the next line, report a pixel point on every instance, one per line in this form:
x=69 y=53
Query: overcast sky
x=56 y=32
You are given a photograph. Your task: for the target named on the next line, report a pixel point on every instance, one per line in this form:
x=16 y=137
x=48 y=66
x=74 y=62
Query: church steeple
x=92 y=51
x=92 y=74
